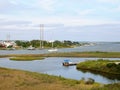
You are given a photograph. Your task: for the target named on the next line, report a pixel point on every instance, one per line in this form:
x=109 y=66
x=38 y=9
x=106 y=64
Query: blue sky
x=79 y=20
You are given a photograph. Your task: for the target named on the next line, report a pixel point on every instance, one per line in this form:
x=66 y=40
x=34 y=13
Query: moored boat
x=68 y=63
x=53 y=50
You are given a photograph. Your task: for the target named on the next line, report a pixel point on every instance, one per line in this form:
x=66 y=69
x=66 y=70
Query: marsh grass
x=30 y=58
x=70 y=54
x=100 y=65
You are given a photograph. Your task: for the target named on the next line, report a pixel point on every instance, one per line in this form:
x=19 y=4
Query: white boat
x=53 y=50
x=31 y=48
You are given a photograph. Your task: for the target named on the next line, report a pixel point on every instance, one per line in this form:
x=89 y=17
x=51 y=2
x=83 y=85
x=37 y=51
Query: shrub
x=118 y=66
x=109 y=65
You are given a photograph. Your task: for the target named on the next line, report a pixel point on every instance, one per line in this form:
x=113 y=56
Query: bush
x=109 y=65
x=118 y=66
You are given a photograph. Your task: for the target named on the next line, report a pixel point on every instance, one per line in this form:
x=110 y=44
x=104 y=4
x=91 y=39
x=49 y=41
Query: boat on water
x=31 y=48
x=53 y=50
x=68 y=63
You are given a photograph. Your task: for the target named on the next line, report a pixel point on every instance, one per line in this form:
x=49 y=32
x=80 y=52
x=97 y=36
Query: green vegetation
x=115 y=86
x=26 y=58
x=23 y=80
x=46 y=44
x=70 y=54
x=86 y=54
x=104 y=66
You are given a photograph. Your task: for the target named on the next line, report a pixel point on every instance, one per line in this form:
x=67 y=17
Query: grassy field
x=96 y=54
x=22 y=80
x=105 y=66
x=26 y=58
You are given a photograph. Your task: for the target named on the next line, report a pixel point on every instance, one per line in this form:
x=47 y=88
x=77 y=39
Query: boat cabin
x=68 y=63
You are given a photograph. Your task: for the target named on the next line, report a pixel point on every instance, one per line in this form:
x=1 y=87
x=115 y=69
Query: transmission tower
x=41 y=35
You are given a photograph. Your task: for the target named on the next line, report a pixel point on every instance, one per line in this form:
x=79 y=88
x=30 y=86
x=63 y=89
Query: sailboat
x=53 y=49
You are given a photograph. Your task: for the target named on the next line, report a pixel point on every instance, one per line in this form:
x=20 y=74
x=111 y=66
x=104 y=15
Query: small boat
x=68 y=63
x=53 y=50
x=30 y=48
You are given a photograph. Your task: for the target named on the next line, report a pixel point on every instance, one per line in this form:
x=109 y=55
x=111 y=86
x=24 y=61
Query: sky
x=76 y=20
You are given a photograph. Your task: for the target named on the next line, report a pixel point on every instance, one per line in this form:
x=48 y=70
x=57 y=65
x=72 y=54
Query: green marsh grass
x=100 y=66
x=26 y=58
x=96 y=54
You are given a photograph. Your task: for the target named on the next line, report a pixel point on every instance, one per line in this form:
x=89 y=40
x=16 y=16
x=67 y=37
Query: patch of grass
x=26 y=58
x=100 y=66
x=70 y=54
x=23 y=80
x=115 y=86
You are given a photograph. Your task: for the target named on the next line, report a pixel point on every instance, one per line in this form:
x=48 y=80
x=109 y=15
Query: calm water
x=99 y=46
x=53 y=66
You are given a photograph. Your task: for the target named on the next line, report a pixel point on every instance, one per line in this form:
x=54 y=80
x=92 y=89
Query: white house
x=9 y=43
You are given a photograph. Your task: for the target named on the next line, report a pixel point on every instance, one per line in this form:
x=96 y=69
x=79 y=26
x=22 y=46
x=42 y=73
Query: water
x=99 y=46
x=53 y=66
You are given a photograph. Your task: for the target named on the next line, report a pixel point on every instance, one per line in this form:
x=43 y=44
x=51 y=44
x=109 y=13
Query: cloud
x=13 y=7
x=117 y=9
x=14 y=2
x=48 y=5
x=6 y=22
x=86 y=12
x=109 y=1
x=5 y=4
x=15 y=25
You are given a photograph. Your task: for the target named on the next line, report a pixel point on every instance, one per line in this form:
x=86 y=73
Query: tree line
x=47 y=44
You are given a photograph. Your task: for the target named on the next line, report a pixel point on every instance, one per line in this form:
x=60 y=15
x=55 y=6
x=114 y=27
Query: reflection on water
x=53 y=66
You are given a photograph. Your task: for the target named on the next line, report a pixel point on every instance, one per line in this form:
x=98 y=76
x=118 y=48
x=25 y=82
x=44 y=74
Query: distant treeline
x=47 y=44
